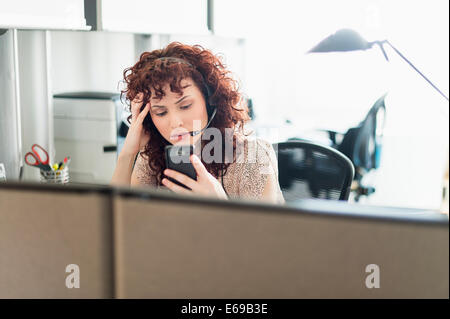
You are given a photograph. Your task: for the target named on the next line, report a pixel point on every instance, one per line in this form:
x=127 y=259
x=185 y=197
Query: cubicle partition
x=191 y=248
x=138 y=243
x=50 y=235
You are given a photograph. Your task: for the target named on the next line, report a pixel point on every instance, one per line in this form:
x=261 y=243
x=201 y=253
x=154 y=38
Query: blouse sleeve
x=260 y=163
x=143 y=172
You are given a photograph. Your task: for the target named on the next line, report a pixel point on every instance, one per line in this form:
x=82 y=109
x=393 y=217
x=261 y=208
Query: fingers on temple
x=136 y=105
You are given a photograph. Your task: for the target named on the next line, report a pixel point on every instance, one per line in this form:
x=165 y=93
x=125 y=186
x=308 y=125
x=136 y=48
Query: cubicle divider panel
x=55 y=243
x=175 y=248
x=144 y=244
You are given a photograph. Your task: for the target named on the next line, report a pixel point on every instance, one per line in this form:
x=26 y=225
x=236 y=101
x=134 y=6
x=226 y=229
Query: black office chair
x=362 y=145
x=310 y=170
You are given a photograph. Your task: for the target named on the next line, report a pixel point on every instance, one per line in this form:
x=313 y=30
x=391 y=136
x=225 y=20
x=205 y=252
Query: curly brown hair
x=204 y=68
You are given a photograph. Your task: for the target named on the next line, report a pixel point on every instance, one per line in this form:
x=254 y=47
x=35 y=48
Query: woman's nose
x=176 y=121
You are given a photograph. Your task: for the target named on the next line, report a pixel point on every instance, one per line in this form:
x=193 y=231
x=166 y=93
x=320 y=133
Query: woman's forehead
x=187 y=85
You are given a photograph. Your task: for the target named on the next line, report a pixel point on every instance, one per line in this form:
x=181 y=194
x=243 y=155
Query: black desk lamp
x=349 y=40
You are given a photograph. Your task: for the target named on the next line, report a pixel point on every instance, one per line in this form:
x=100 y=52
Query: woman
x=177 y=94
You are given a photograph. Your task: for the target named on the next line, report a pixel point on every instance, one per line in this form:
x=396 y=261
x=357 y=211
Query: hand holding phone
x=177 y=159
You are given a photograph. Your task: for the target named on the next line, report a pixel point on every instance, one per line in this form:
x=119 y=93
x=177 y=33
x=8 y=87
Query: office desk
x=138 y=243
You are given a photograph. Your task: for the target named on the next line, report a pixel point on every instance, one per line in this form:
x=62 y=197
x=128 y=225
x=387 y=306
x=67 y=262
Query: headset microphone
x=194 y=133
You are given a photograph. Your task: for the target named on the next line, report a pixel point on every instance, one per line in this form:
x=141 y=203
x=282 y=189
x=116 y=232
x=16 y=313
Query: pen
x=66 y=163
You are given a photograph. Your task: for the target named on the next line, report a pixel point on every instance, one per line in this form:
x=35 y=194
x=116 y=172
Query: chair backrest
x=362 y=144
x=310 y=170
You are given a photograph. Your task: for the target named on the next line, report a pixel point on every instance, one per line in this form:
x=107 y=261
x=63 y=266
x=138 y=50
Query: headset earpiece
x=209 y=108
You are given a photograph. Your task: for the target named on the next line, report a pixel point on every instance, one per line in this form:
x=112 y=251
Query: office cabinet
x=43 y=14
x=149 y=16
x=86 y=130
x=10 y=153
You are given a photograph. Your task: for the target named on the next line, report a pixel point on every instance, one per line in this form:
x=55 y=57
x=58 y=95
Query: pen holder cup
x=55 y=177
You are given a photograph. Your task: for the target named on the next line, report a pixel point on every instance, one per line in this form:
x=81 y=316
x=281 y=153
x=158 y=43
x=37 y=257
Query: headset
x=210 y=109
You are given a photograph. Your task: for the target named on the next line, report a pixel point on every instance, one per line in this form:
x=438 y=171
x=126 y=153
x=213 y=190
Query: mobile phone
x=177 y=158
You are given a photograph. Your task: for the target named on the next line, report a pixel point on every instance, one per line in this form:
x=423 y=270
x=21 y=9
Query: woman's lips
x=178 y=137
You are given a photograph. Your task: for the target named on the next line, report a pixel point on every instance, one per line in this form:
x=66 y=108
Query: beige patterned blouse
x=245 y=178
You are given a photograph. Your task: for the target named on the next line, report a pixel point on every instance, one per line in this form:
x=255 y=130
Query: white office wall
x=230 y=49
x=95 y=61
x=90 y=61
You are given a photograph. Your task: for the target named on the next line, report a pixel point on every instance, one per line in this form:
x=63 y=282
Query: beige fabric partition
x=42 y=230
x=189 y=249
x=140 y=244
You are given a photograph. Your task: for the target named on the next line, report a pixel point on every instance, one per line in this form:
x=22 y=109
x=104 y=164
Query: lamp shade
x=350 y=40
x=342 y=40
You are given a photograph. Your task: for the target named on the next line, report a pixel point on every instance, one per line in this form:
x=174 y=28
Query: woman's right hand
x=136 y=137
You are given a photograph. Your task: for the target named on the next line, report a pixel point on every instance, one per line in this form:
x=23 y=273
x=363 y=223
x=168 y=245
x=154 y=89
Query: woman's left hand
x=206 y=184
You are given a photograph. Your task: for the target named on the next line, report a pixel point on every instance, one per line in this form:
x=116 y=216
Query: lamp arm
x=380 y=44
x=403 y=57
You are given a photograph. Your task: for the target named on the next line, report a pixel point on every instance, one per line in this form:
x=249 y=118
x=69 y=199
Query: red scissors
x=38 y=157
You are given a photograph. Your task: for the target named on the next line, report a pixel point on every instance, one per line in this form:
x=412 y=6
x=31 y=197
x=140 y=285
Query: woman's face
x=176 y=115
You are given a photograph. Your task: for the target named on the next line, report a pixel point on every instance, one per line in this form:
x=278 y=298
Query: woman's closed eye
x=162 y=113
x=185 y=107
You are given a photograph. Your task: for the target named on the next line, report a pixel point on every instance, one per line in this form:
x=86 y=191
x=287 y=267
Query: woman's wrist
x=124 y=168
x=127 y=155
